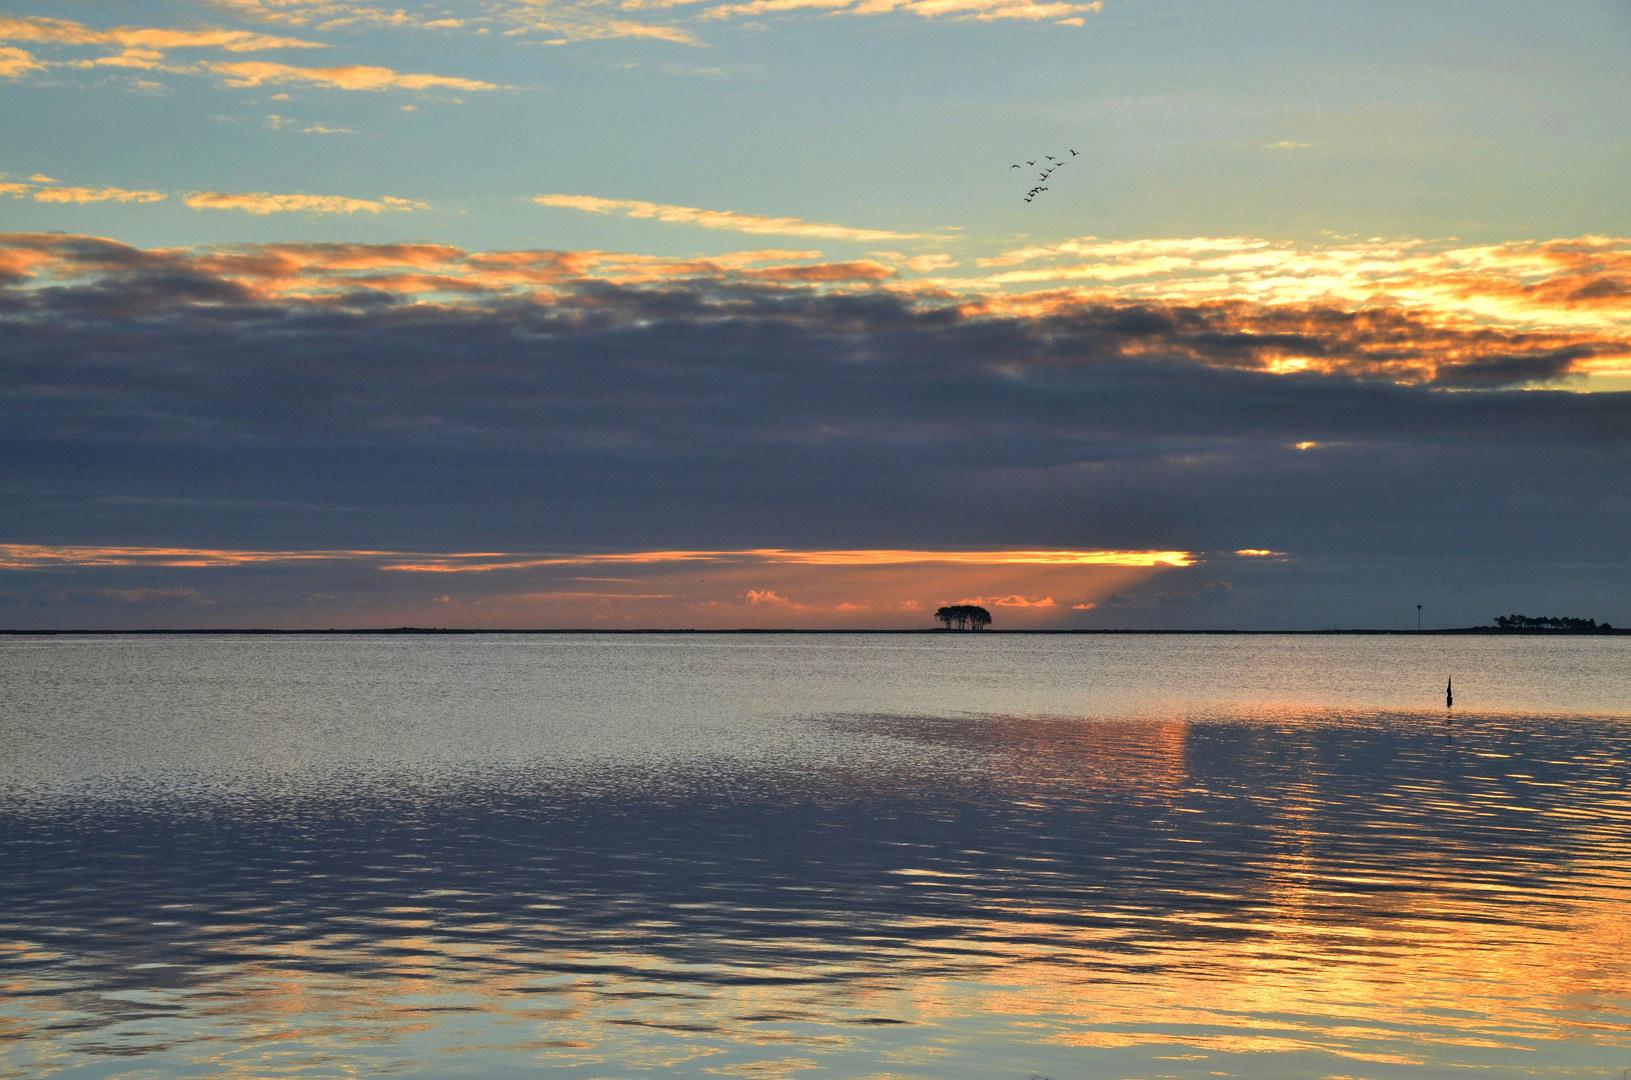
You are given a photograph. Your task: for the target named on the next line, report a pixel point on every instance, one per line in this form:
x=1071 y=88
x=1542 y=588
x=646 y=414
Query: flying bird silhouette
x=1047 y=171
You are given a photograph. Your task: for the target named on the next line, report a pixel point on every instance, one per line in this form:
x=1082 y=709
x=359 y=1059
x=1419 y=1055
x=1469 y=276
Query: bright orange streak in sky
x=782 y=556
x=24 y=556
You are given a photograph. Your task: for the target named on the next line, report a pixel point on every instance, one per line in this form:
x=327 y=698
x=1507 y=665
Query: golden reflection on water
x=1265 y=893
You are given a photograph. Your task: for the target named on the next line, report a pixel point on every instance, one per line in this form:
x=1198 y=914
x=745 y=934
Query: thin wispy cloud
x=981 y=10
x=329 y=15
x=718 y=219
x=561 y=21
x=65 y=32
x=84 y=195
x=261 y=202
x=18 y=556
x=349 y=77
x=147 y=49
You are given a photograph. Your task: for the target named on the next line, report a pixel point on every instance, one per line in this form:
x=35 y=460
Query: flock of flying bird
x=1047 y=171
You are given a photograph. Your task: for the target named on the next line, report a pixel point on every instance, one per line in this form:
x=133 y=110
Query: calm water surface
x=939 y=856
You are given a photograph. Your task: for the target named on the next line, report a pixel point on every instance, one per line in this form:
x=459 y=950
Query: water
x=771 y=856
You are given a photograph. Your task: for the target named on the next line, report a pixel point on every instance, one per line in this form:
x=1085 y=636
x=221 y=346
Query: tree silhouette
x=1548 y=622
x=966 y=616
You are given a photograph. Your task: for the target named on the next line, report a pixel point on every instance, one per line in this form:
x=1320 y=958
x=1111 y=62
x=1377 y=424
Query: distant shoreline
x=1489 y=631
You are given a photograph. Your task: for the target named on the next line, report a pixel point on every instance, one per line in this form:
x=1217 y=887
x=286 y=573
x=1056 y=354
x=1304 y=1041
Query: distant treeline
x=1548 y=622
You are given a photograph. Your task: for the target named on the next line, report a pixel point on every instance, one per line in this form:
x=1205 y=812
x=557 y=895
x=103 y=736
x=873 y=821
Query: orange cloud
x=25 y=555
x=35 y=556
x=717 y=219
x=15 y=63
x=564 y=20
x=1579 y=283
x=64 y=32
x=757 y=587
x=304 y=12
x=260 y=202
x=1015 y=601
x=486 y=561
x=983 y=10
x=84 y=195
x=351 y=77
x=1507 y=315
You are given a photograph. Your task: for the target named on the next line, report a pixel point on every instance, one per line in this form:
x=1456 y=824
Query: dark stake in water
x=764 y=856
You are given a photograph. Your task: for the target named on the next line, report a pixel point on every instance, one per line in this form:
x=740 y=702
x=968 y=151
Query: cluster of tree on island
x=966 y=616
x=1547 y=622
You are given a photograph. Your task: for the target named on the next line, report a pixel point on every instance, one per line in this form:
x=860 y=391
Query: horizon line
x=448 y=630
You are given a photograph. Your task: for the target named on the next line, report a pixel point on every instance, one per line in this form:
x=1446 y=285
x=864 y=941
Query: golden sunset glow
x=18 y=556
x=475 y=563
x=1405 y=311
x=767 y=587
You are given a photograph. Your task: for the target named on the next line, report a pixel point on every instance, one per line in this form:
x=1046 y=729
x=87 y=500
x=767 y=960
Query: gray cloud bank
x=150 y=400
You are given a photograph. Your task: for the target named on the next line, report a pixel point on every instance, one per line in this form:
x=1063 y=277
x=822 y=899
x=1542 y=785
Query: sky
x=738 y=313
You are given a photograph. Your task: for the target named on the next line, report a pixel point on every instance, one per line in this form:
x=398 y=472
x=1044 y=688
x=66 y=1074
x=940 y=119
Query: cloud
x=717 y=588
x=65 y=32
x=564 y=21
x=1581 y=283
x=488 y=562
x=140 y=48
x=494 y=425
x=15 y=63
x=145 y=596
x=84 y=195
x=1216 y=591
x=350 y=77
x=1568 y=303
x=717 y=219
x=261 y=202
x=983 y=10
x=328 y=14
x=24 y=556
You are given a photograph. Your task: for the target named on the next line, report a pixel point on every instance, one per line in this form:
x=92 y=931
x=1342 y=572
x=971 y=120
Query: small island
x=966 y=616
